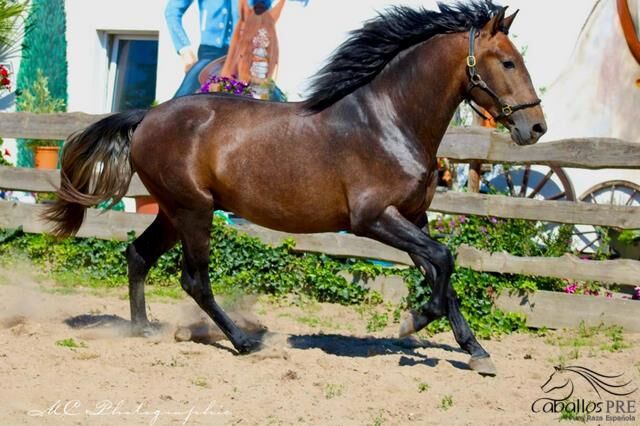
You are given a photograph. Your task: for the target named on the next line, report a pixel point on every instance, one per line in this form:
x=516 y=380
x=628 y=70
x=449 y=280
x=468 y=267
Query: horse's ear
x=496 y=22
x=506 y=22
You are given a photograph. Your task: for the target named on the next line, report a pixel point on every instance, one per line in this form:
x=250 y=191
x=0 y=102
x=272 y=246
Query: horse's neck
x=419 y=90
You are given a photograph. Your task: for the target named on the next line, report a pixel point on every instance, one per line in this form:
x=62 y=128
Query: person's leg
x=190 y=83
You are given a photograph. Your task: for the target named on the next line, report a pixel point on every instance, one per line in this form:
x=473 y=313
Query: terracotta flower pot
x=147 y=205
x=46 y=157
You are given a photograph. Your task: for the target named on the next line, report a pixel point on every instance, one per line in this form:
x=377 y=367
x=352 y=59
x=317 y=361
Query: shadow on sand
x=333 y=344
x=363 y=347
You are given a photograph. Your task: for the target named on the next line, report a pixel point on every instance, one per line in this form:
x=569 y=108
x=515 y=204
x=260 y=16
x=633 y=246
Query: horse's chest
x=403 y=155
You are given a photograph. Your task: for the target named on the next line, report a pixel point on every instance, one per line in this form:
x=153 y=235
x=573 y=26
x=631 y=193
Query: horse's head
x=500 y=83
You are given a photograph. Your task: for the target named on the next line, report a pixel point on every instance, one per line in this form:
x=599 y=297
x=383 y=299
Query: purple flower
x=483 y=229
x=462 y=219
x=636 y=293
x=493 y=220
x=216 y=83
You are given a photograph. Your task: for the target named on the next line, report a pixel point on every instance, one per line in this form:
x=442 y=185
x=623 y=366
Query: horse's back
x=251 y=157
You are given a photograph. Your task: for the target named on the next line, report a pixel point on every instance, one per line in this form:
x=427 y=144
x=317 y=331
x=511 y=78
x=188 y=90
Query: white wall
x=87 y=54
x=307 y=37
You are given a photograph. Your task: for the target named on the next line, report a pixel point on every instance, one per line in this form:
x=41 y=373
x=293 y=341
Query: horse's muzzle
x=524 y=132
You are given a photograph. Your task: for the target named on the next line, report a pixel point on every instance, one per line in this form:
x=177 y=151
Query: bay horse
x=359 y=154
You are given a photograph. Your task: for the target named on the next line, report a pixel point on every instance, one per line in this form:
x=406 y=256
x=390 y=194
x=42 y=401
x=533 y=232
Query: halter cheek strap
x=475 y=81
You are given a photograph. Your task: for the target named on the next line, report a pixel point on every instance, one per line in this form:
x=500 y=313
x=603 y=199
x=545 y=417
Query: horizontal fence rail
x=39 y=180
x=460 y=144
x=31 y=180
x=561 y=310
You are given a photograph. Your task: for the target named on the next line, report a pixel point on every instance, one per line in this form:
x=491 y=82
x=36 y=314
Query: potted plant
x=37 y=99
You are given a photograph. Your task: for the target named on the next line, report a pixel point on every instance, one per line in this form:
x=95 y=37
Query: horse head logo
x=561 y=380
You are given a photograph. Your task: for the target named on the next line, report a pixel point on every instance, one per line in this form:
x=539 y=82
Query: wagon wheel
x=537 y=182
x=590 y=240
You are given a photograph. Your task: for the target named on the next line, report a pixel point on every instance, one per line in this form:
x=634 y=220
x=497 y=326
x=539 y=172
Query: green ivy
x=242 y=263
x=237 y=261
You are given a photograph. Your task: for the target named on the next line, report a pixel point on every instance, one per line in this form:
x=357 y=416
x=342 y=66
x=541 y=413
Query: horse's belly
x=284 y=216
x=287 y=205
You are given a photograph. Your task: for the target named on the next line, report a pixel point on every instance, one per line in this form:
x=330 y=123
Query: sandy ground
x=320 y=366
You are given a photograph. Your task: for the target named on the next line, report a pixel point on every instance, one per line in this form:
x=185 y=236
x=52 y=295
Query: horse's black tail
x=95 y=168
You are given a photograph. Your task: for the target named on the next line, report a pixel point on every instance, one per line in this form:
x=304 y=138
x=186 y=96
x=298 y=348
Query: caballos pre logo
x=615 y=403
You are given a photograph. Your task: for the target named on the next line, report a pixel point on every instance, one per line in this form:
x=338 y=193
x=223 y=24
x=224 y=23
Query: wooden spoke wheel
x=590 y=240
x=536 y=182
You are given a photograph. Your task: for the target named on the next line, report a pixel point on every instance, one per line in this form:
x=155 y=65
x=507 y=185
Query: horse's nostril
x=539 y=128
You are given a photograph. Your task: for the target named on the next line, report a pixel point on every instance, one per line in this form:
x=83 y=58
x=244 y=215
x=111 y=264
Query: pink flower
x=571 y=288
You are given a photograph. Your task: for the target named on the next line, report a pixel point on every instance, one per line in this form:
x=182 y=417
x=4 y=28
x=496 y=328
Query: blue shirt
x=217 y=21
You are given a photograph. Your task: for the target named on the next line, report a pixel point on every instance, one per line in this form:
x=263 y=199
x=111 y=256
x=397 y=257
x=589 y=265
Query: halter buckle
x=471 y=61
x=507 y=110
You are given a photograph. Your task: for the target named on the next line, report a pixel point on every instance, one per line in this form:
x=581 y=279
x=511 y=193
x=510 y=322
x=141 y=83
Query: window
x=133 y=64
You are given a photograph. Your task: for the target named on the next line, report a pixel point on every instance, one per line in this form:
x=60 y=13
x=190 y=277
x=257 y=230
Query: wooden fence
x=460 y=145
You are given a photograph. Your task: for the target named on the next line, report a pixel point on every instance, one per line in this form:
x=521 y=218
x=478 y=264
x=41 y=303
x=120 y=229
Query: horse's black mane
x=368 y=50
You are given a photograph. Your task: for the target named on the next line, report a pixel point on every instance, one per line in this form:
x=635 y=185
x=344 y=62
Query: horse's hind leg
x=436 y=262
x=159 y=237
x=194 y=227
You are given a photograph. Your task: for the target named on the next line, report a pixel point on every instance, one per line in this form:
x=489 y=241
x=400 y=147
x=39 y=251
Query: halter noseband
x=476 y=81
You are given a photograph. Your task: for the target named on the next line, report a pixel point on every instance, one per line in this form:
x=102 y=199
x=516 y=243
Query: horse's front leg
x=436 y=262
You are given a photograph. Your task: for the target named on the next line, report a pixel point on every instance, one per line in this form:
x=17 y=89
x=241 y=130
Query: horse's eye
x=509 y=65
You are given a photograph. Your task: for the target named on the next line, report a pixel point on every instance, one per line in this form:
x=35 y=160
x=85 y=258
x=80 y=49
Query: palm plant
x=11 y=27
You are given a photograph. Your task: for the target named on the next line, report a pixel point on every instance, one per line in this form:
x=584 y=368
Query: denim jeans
x=206 y=54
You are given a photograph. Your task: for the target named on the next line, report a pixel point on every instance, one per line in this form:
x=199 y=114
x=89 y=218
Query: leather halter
x=475 y=81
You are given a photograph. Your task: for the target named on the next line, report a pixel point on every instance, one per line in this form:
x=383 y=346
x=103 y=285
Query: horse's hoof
x=183 y=334
x=406 y=328
x=483 y=366
x=408 y=325
x=144 y=330
x=249 y=347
